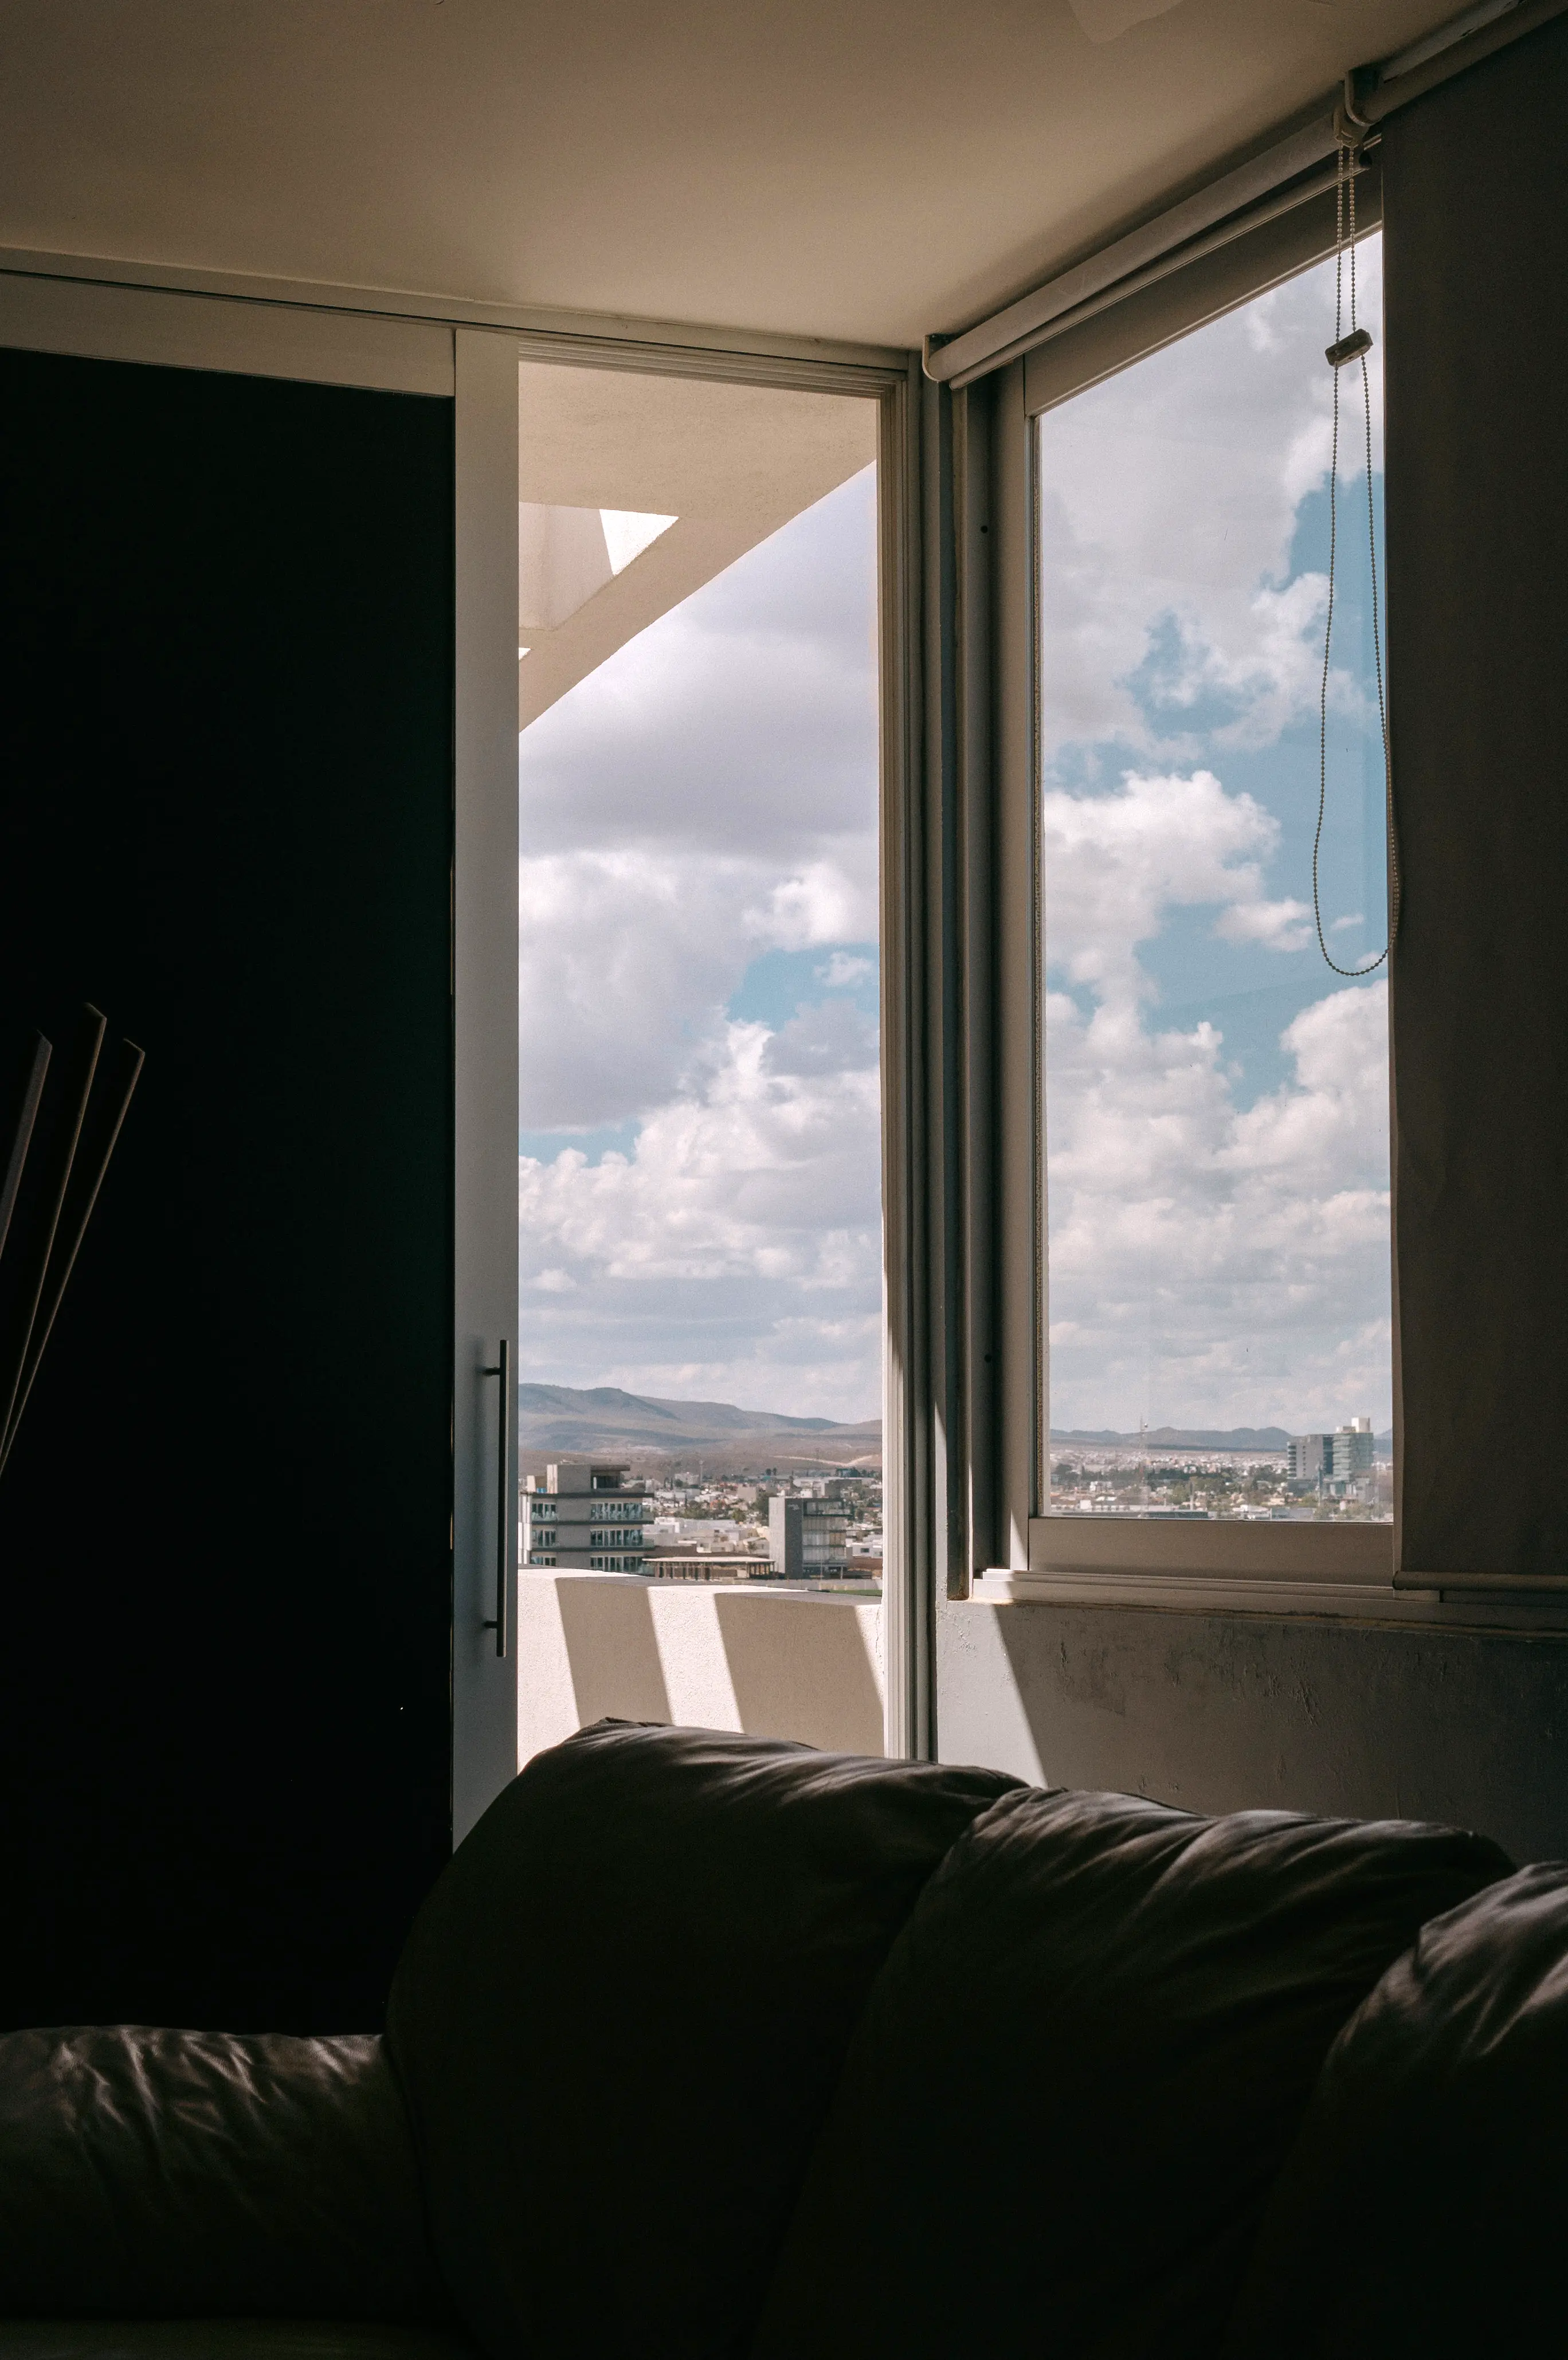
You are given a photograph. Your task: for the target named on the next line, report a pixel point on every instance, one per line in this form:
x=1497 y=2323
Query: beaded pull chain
x=1345 y=348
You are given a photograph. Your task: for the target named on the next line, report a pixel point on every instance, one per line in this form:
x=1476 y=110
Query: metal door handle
x=498 y=1621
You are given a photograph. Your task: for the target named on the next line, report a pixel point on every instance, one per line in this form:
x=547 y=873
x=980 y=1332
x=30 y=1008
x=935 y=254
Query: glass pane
x=1216 y=1106
x=699 y=1176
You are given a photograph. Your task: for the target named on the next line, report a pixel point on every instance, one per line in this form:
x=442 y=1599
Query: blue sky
x=1217 y=1104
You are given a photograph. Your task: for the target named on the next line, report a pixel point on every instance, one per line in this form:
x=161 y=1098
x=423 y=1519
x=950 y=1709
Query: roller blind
x=1475 y=256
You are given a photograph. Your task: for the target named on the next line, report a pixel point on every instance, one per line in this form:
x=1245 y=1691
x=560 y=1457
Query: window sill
x=1496 y=1608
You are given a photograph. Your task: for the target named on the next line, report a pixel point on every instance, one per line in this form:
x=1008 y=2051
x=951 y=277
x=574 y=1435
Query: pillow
x=176 y=2174
x=621 y=2013
x=1081 y=2069
x=1423 y=2206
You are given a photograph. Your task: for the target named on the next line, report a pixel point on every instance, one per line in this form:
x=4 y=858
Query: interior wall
x=1224 y=1712
x=1217 y=1712
x=226 y=728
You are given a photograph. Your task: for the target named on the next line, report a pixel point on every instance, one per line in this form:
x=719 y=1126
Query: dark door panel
x=225 y=695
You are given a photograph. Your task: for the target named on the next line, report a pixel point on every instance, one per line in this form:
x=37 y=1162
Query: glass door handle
x=501 y=1369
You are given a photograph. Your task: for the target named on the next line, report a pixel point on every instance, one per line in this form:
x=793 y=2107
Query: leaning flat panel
x=180 y=331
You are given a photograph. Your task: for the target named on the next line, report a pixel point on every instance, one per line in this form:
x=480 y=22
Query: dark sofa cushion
x=158 y=2174
x=1424 y=2207
x=621 y=2013
x=227 y=2339
x=1081 y=2070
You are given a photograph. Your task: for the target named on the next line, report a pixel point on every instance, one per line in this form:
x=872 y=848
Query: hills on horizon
x=1192 y=1437
x=606 y=1418
x=598 y=1418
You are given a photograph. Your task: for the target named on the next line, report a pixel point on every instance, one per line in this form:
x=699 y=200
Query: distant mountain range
x=602 y=1418
x=1196 y=1438
x=605 y=1418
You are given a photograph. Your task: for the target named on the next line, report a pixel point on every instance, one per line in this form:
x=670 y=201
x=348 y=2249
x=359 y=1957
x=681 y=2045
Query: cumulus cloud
x=1169 y=500
x=628 y=956
x=752 y=1200
x=708 y=795
x=844 y=969
x=1116 y=863
x=1209 y=1262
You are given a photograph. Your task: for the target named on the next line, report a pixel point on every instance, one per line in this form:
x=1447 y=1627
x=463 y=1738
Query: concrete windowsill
x=1359 y=1602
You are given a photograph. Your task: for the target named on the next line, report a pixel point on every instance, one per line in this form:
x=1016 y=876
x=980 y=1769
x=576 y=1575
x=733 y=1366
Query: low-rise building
x=587 y=1516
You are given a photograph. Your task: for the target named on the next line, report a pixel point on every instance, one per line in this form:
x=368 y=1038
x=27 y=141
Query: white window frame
x=1004 y=1543
x=893 y=379
x=114 y=311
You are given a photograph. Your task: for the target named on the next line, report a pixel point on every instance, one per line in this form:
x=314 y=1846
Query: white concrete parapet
x=709 y=1655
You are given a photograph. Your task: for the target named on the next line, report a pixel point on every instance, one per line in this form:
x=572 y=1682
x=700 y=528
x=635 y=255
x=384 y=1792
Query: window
x=1216 y=1265
x=1171 y=1173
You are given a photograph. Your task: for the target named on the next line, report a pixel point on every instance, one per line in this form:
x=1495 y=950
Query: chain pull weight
x=1346 y=349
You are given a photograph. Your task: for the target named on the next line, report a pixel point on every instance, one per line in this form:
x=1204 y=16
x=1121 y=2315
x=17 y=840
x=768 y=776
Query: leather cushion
x=1081 y=2069
x=226 y=2339
x=158 y=2174
x=1422 y=2209
x=621 y=2012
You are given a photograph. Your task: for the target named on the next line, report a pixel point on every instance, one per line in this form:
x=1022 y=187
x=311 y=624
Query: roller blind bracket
x=1240 y=199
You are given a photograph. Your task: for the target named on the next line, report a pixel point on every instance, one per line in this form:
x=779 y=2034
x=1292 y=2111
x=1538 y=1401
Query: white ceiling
x=864 y=169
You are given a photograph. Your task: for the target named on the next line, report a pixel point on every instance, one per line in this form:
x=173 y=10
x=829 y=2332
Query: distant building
x=807 y=1539
x=1351 y=1447
x=1343 y=1456
x=1309 y=1455
x=587 y=1518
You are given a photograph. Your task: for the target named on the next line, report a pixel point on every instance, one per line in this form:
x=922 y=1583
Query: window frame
x=894 y=381
x=1005 y=1543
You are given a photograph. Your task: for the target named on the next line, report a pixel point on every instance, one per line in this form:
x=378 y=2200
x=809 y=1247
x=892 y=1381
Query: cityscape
x=801 y=1531
x=817 y=1525
x=1343 y=1476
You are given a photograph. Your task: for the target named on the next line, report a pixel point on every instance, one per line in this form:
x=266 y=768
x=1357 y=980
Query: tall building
x=1351 y=1447
x=1343 y=1457
x=807 y=1539
x=586 y=1517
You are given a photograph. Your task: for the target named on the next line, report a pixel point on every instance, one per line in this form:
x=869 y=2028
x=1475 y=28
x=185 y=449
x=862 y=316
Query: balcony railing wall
x=708 y=1655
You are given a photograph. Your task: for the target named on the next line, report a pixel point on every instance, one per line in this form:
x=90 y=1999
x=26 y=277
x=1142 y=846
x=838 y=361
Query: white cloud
x=629 y=954
x=708 y=795
x=1168 y=507
x=752 y=1198
x=1114 y=864
x=1211 y=1263
x=752 y=1171
x=825 y=901
x=844 y=970
x=1278 y=925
